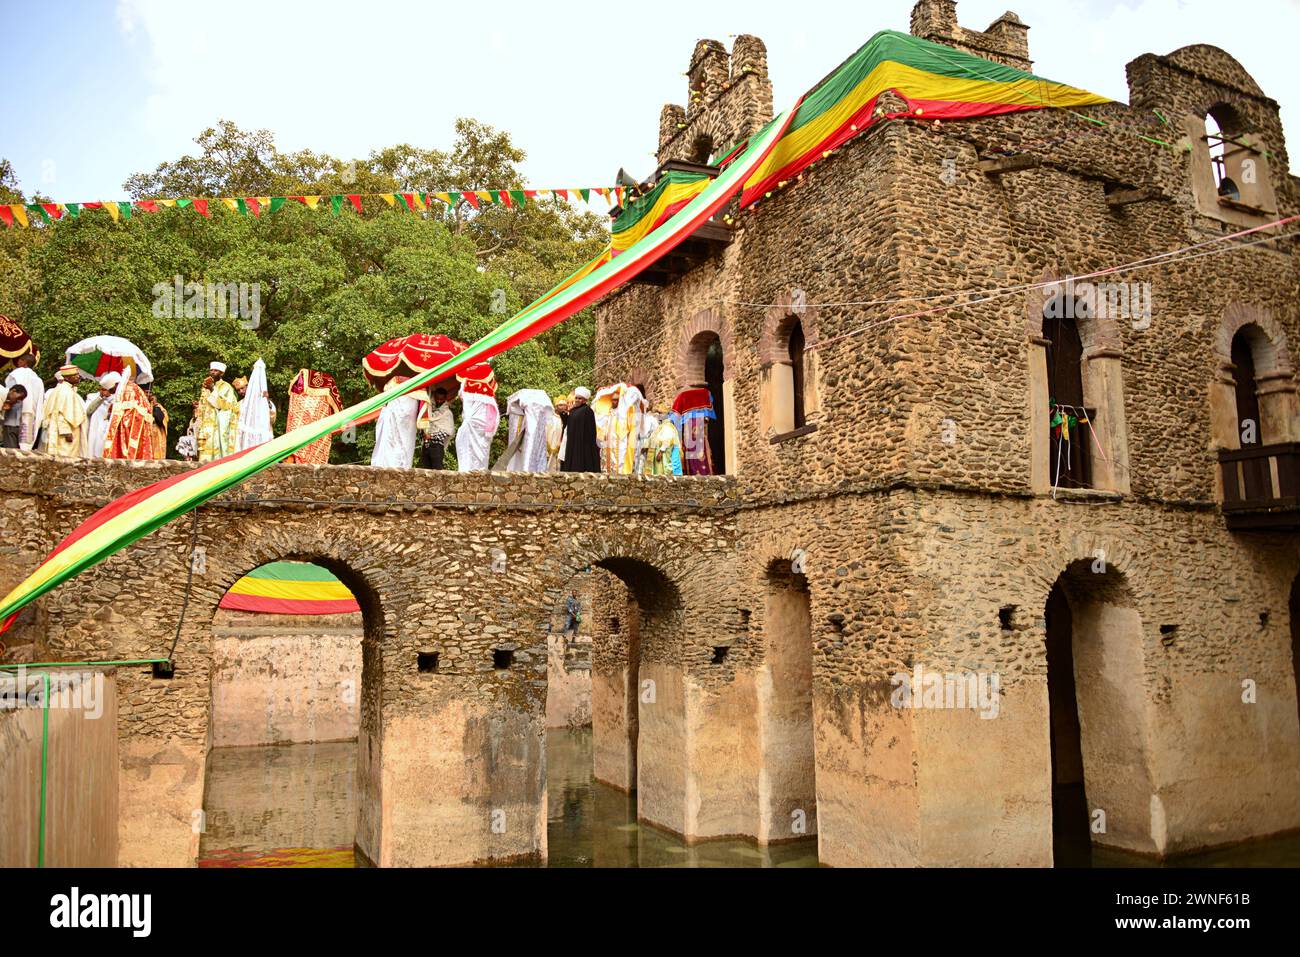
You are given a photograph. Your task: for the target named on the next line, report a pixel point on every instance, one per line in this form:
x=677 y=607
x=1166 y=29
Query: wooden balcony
x=1261 y=487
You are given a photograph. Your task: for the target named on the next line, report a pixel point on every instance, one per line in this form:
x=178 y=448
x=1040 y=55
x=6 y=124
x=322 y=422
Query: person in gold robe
x=131 y=428
x=218 y=415
x=64 y=417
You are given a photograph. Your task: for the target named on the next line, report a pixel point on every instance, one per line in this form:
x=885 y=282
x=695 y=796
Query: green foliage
x=331 y=288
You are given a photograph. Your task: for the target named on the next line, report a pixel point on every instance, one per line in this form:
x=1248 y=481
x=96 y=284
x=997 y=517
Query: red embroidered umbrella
x=13 y=343
x=417 y=353
x=479 y=378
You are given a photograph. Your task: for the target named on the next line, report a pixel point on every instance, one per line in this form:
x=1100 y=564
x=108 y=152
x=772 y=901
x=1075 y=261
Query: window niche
x=789 y=393
x=1075 y=369
x=1229 y=167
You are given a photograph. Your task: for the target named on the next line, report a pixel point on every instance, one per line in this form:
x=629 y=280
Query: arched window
x=797 y=372
x=1246 y=389
x=1230 y=175
x=1069 y=421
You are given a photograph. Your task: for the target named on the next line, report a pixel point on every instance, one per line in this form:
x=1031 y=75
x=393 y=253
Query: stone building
x=897 y=504
x=1134 y=597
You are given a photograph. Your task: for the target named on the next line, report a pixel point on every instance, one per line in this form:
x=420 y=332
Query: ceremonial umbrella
x=13 y=343
x=100 y=355
x=479 y=379
x=411 y=355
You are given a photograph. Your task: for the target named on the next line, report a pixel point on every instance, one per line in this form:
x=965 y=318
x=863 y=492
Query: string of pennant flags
x=24 y=214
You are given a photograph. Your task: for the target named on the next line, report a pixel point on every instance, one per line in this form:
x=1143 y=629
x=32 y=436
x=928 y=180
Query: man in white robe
x=64 y=416
x=99 y=410
x=27 y=414
x=529 y=411
x=479 y=420
x=395 y=431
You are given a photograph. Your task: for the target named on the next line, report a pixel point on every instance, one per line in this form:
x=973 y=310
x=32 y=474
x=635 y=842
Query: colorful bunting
x=20 y=214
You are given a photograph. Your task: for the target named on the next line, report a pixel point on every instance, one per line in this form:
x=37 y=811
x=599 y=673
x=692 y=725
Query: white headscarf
x=254 y=411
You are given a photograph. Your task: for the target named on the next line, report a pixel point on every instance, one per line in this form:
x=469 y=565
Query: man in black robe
x=580 y=451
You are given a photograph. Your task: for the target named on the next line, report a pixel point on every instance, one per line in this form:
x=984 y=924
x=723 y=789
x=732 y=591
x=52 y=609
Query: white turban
x=110 y=380
x=582 y=392
x=217 y=367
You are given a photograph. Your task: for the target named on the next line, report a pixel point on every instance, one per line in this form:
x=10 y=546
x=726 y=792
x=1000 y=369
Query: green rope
x=45 y=765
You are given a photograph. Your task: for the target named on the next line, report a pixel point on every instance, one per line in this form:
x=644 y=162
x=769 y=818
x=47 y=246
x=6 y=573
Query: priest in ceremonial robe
x=132 y=430
x=396 y=428
x=218 y=415
x=64 y=416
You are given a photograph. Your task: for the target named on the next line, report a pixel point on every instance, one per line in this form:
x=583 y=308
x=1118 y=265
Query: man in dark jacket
x=580 y=451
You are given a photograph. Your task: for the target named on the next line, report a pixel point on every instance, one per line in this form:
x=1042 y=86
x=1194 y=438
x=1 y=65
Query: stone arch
x=362 y=571
x=693 y=343
x=1274 y=377
x=1100 y=335
x=773 y=344
x=1096 y=726
x=1274 y=359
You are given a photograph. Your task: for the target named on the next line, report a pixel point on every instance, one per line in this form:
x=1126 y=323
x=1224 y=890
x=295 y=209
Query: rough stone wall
x=421 y=551
x=913 y=502
x=285 y=679
x=728 y=99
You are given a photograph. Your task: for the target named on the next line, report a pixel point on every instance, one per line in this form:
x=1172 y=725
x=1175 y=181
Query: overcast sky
x=96 y=91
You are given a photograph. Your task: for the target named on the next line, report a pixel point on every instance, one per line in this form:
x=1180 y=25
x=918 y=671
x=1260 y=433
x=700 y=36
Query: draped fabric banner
x=138 y=513
x=937 y=82
x=22 y=214
x=290 y=588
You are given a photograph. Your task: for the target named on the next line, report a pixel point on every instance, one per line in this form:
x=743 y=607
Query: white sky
x=578 y=84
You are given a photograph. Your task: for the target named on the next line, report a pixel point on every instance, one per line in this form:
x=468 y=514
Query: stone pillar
x=1040 y=472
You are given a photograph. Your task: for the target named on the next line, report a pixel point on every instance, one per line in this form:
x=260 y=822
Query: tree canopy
x=330 y=287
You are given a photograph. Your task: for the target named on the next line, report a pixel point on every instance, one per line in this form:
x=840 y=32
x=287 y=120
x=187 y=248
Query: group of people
x=615 y=432
x=121 y=418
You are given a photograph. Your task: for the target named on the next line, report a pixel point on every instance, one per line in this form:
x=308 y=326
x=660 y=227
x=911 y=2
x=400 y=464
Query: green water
x=295 y=806
x=590 y=824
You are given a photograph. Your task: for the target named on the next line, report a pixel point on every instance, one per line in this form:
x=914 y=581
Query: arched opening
x=1099 y=792
x=796 y=345
x=789 y=798
x=1247 y=340
x=713 y=368
x=286 y=778
x=701 y=406
x=702 y=149
x=601 y=766
x=1069 y=458
x=1222 y=125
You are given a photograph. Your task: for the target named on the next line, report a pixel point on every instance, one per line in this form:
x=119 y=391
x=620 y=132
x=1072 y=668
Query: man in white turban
x=99 y=410
x=216 y=417
x=64 y=416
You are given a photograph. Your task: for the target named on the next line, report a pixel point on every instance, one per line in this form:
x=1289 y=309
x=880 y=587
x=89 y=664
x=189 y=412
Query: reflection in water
x=590 y=824
x=291 y=805
x=295 y=805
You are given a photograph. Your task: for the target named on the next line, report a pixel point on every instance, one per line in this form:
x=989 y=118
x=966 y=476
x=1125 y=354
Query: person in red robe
x=132 y=431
